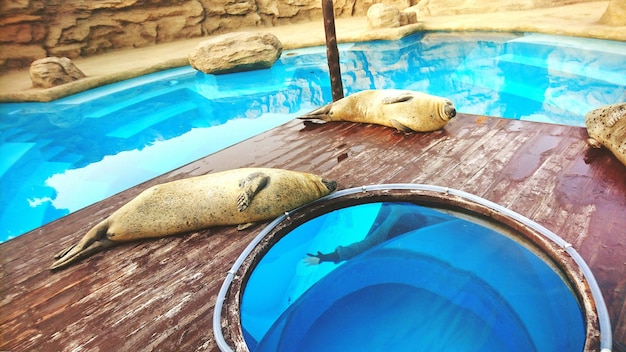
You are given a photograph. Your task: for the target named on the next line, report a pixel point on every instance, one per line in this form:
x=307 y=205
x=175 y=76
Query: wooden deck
x=160 y=294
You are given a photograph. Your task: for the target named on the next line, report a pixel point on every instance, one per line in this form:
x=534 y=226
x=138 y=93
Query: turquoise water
x=61 y=156
x=440 y=283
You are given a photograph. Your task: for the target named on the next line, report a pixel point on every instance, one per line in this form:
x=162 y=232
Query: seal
x=405 y=110
x=234 y=197
x=606 y=126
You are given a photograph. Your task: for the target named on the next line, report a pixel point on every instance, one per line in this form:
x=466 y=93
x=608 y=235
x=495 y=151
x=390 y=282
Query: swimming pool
x=62 y=156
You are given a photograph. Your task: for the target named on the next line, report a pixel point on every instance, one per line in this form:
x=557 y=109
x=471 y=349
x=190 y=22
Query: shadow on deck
x=160 y=294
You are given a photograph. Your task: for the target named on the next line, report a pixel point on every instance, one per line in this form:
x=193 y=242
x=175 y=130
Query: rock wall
x=615 y=14
x=34 y=29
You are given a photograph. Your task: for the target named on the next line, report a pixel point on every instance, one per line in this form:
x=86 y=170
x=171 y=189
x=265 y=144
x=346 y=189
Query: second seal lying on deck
x=404 y=110
x=234 y=197
x=607 y=126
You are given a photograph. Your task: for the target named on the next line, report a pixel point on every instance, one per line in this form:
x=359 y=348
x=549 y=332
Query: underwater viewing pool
x=437 y=283
x=61 y=156
x=410 y=267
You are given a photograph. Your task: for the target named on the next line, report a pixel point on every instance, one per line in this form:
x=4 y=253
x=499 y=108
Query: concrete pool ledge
x=574 y=20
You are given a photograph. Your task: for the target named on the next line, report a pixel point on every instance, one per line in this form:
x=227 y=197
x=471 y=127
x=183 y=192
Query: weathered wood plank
x=159 y=294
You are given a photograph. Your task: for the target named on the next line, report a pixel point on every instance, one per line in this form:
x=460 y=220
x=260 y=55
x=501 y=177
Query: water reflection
x=390 y=222
x=100 y=179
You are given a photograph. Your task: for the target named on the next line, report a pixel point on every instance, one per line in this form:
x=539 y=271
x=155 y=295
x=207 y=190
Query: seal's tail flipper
x=94 y=241
x=322 y=113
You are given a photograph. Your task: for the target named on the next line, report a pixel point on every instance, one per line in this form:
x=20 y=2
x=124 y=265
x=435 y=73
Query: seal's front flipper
x=594 y=143
x=94 y=241
x=250 y=186
x=322 y=113
x=399 y=126
x=398 y=99
x=245 y=226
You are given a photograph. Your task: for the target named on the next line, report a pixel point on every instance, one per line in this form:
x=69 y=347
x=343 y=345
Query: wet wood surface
x=159 y=294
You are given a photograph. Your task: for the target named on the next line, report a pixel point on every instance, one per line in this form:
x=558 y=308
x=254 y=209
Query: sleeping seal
x=234 y=197
x=404 y=110
x=607 y=126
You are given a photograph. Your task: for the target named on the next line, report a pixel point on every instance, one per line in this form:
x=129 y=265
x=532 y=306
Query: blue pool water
x=62 y=156
x=436 y=283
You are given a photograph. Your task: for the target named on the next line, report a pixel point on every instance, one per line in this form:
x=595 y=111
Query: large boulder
x=53 y=71
x=236 y=52
x=383 y=16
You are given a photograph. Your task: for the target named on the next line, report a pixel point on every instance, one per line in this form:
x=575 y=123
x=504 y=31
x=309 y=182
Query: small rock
x=53 y=71
x=236 y=52
x=383 y=16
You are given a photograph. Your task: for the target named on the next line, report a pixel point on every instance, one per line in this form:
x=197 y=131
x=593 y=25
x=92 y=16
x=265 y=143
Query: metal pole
x=332 y=53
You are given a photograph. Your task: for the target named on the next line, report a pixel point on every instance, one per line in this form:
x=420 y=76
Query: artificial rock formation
x=615 y=14
x=32 y=29
x=54 y=71
x=383 y=16
x=235 y=52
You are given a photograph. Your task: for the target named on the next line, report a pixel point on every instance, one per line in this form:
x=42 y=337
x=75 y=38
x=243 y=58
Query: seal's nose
x=330 y=184
x=449 y=110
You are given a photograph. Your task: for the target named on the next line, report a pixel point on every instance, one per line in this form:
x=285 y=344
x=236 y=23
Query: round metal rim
x=598 y=328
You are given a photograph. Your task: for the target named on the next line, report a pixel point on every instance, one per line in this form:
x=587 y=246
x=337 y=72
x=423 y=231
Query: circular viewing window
x=408 y=270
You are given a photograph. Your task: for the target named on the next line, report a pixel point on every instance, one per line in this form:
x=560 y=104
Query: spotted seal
x=404 y=110
x=234 y=197
x=606 y=126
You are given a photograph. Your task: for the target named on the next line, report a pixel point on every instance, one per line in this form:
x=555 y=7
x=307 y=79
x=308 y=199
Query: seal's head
x=606 y=127
x=448 y=110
